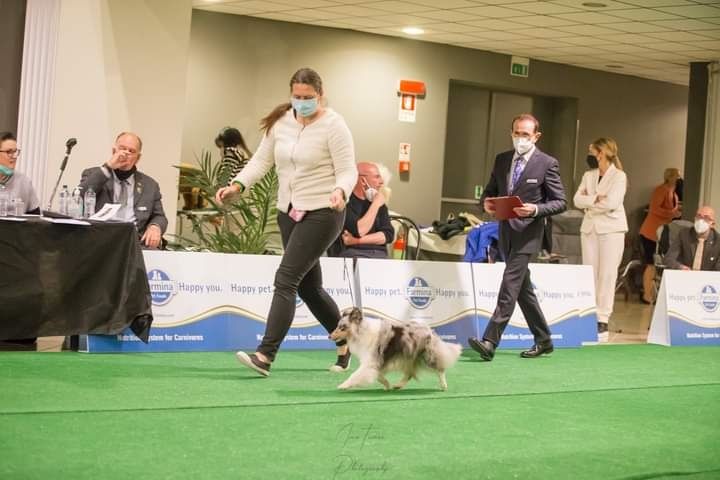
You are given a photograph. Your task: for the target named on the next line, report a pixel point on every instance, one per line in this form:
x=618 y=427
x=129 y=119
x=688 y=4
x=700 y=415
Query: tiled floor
x=629 y=324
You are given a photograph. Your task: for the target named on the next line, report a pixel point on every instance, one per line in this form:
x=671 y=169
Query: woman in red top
x=664 y=207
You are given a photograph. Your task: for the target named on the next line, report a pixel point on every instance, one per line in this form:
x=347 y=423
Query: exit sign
x=519 y=67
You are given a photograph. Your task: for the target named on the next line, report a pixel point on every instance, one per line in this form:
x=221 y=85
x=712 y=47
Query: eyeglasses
x=11 y=153
x=707 y=218
x=368 y=175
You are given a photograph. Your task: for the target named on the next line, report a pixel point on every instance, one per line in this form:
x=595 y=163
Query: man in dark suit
x=534 y=177
x=119 y=181
x=696 y=247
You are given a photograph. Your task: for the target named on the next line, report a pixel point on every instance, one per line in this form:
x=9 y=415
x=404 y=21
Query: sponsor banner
x=439 y=294
x=566 y=295
x=216 y=302
x=687 y=311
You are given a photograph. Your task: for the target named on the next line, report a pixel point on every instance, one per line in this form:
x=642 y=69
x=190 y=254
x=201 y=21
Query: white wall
x=121 y=65
x=239 y=69
x=711 y=159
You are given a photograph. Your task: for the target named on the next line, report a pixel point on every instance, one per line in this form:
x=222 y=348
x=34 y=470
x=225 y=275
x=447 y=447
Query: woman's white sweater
x=311 y=161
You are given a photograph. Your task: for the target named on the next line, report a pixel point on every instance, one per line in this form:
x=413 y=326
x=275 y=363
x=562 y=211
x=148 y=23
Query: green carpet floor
x=605 y=412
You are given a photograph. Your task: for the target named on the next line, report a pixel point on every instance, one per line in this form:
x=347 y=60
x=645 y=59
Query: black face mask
x=124 y=174
x=592 y=161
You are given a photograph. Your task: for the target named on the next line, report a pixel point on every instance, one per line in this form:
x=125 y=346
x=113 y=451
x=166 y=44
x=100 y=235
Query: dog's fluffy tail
x=446 y=353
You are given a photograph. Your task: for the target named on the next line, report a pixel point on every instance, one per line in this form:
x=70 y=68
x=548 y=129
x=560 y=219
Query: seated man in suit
x=119 y=181
x=696 y=247
x=16 y=184
x=367 y=228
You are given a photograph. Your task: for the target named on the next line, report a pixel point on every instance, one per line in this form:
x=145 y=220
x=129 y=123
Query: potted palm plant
x=247 y=224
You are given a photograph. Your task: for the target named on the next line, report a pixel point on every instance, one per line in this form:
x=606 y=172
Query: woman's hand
x=225 y=193
x=337 y=200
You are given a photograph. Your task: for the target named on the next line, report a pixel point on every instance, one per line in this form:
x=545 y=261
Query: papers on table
x=107 y=212
x=66 y=221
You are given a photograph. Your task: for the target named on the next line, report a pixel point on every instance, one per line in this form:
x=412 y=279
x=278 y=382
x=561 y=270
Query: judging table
x=68 y=279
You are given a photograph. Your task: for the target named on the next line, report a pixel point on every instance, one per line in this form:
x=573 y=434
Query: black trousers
x=517 y=288
x=299 y=274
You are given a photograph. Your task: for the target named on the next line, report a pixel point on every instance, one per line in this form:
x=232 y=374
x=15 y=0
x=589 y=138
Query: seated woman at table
x=16 y=185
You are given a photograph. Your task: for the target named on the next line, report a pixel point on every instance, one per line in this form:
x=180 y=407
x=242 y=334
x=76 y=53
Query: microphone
x=71 y=142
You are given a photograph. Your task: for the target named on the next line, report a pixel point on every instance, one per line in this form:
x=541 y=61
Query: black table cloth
x=60 y=279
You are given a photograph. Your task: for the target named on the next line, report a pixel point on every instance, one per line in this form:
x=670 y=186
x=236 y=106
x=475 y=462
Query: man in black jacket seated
x=367 y=228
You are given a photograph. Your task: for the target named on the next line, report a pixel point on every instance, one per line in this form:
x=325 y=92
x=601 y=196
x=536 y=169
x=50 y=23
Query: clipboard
x=504 y=206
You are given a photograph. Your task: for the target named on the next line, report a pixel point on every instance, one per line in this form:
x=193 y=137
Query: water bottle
x=90 y=198
x=63 y=200
x=75 y=208
x=4 y=201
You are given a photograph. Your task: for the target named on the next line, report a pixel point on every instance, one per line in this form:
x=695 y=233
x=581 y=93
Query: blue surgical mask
x=305 y=107
x=6 y=171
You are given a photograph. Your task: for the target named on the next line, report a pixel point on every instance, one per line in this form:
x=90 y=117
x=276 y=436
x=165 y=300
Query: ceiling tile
x=364 y=22
x=450 y=37
x=709 y=33
x=403 y=20
x=627 y=48
x=493 y=24
x=684 y=24
x=306 y=3
x=492 y=12
x=673 y=47
x=579 y=50
x=543 y=8
x=698 y=55
x=643 y=15
x=321 y=14
x=706 y=44
x=445 y=3
x=634 y=38
x=331 y=24
x=502 y=2
x=354 y=11
x=588 y=40
x=545 y=33
x=448 y=15
x=544 y=43
x=393 y=6
x=542 y=21
x=696 y=11
x=587 y=17
x=638 y=27
x=308 y=14
x=677 y=36
x=587 y=30
x=658 y=3
x=609 y=5
x=264 y=6
x=451 y=27
x=500 y=35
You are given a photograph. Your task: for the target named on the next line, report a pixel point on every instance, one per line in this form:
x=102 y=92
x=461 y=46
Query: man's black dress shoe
x=538 y=350
x=483 y=347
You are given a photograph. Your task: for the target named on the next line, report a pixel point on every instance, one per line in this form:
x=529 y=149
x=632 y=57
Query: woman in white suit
x=600 y=195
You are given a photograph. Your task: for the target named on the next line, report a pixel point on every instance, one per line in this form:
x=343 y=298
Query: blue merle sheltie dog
x=384 y=345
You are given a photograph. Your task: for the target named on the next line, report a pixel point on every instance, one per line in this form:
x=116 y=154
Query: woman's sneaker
x=342 y=363
x=252 y=362
x=603 y=334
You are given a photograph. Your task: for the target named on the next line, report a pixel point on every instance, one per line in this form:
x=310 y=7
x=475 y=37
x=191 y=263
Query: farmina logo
x=162 y=289
x=419 y=293
x=709 y=298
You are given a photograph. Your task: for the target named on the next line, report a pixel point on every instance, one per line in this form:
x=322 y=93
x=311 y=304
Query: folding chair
x=403 y=226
